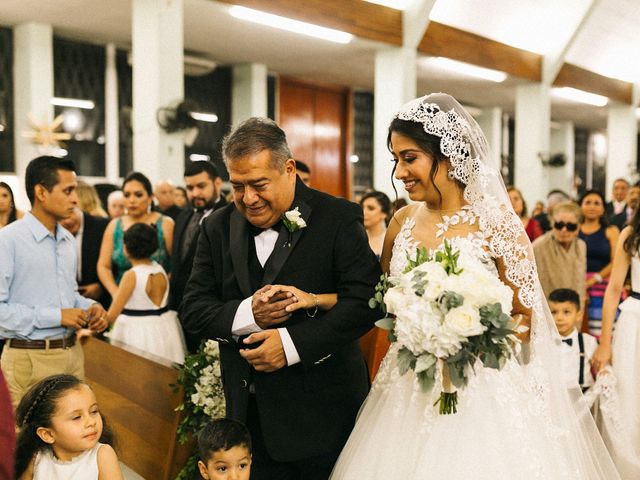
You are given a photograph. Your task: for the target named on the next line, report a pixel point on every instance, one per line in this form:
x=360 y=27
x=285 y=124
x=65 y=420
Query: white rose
x=294 y=217
x=394 y=299
x=464 y=321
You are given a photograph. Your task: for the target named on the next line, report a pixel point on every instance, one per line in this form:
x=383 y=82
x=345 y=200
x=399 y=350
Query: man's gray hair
x=253 y=136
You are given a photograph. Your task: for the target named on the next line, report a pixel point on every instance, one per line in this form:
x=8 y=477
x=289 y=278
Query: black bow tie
x=255 y=231
x=568 y=341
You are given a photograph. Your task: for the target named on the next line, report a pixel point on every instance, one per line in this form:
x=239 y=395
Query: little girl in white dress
x=62 y=434
x=139 y=308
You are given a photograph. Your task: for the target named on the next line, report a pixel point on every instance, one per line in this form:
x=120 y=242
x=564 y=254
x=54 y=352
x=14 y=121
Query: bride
x=517 y=422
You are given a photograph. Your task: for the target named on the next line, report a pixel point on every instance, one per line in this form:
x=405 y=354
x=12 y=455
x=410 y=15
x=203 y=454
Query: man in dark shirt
x=203 y=184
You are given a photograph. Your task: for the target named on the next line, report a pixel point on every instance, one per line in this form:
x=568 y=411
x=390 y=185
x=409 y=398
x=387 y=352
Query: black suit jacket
x=309 y=408
x=94 y=228
x=619 y=220
x=181 y=270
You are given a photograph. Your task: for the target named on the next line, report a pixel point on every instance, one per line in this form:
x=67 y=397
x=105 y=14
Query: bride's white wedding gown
x=503 y=428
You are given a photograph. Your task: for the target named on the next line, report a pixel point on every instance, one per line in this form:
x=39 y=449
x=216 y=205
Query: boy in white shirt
x=578 y=347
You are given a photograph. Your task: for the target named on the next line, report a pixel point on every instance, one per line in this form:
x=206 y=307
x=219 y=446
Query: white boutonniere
x=294 y=222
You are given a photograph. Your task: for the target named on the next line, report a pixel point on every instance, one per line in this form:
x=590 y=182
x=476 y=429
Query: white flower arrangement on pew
x=448 y=311
x=201 y=380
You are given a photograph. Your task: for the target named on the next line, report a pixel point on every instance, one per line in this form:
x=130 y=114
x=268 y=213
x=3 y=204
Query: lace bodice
x=405 y=246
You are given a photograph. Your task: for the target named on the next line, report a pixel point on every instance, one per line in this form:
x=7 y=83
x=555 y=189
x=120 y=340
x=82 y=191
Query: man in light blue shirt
x=40 y=307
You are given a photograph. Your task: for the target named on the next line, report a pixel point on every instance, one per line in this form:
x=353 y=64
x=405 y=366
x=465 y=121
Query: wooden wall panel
x=315 y=119
x=330 y=160
x=296 y=119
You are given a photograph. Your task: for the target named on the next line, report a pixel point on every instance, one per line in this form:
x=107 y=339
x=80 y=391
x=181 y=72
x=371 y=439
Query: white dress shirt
x=571 y=358
x=618 y=207
x=244 y=323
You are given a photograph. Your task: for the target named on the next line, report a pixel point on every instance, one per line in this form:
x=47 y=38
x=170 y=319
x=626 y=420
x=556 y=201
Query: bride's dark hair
x=428 y=143
x=632 y=243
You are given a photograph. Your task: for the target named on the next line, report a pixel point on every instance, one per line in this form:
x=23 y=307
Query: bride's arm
x=392 y=230
x=520 y=312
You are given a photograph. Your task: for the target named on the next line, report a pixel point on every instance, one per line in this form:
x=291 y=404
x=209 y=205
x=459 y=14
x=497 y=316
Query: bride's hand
x=601 y=357
x=302 y=299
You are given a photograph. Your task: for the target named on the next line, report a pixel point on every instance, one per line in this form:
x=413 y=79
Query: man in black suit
x=165 y=200
x=203 y=184
x=88 y=231
x=616 y=209
x=298 y=379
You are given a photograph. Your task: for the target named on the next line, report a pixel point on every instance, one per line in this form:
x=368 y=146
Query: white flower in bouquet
x=443 y=343
x=464 y=321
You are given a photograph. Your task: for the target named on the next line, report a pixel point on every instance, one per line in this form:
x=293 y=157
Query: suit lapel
x=282 y=250
x=239 y=251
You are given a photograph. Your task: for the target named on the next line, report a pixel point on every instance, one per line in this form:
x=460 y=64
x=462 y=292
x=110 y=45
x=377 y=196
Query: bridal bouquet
x=448 y=311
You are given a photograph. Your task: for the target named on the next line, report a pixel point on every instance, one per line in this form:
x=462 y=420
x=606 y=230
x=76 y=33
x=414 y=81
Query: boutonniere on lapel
x=294 y=222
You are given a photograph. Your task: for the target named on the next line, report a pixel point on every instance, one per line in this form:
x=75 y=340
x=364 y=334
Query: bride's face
x=413 y=167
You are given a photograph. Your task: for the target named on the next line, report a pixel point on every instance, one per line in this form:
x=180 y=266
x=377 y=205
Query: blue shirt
x=37 y=280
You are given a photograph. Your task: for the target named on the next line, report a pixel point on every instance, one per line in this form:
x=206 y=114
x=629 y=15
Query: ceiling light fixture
x=580 y=96
x=73 y=103
x=204 y=117
x=467 y=69
x=395 y=4
x=284 y=23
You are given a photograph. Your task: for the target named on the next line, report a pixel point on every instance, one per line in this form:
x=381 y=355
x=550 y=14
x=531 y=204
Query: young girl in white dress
x=521 y=421
x=62 y=435
x=622 y=349
x=139 y=308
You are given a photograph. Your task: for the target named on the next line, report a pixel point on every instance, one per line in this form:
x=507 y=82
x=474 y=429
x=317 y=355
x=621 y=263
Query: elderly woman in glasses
x=561 y=256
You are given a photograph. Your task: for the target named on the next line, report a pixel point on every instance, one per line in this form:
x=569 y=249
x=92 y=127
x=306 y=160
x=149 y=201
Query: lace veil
x=563 y=409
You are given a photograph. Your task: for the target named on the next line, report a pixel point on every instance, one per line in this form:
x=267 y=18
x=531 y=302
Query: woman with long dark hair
x=113 y=263
x=8 y=211
x=601 y=239
x=376 y=208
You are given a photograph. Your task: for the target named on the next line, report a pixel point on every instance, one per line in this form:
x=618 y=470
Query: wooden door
x=315 y=119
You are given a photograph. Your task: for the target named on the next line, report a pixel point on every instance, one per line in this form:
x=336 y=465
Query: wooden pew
x=139 y=406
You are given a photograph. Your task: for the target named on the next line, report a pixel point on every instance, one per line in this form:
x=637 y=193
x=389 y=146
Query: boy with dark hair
x=224 y=446
x=578 y=347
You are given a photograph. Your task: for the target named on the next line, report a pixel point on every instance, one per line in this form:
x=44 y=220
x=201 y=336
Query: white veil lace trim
x=562 y=409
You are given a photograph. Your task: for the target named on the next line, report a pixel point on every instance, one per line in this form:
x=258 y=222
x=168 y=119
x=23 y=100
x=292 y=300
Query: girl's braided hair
x=36 y=410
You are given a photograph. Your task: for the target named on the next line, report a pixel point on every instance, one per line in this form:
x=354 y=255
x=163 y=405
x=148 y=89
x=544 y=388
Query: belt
x=47 y=344
x=635 y=295
x=145 y=313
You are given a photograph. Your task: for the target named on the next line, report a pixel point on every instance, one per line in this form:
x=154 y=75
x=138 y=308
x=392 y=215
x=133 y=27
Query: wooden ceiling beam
x=383 y=24
x=444 y=41
x=362 y=19
x=576 y=77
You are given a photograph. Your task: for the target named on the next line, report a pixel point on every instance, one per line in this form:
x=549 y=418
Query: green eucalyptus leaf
x=424 y=362
x=406 y=360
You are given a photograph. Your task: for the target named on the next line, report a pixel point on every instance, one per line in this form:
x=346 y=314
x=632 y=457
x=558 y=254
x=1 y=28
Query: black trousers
x=263 y=467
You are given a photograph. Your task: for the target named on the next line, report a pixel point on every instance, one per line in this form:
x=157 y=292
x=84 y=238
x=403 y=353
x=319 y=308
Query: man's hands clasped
x=272 y=305
x=94 y=318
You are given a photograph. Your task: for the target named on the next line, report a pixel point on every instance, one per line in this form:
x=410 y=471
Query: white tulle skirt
x=619 y=408
x=501 y=431
x=160 y=335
